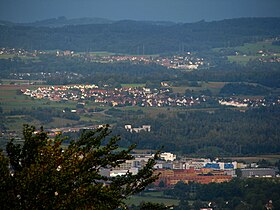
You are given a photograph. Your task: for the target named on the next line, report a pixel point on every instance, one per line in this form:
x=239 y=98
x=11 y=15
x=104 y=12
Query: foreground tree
x=42 y=175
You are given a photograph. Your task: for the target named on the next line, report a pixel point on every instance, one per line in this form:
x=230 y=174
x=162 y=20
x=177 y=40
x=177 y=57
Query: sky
x=157 y=10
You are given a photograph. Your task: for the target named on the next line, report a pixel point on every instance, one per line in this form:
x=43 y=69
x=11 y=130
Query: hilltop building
x=146 y=128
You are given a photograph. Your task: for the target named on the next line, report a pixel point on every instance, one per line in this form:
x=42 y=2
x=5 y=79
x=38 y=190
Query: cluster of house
x=13 y=51
x=20 y=52
x=181 y=62
x=117 y=58
x=186 y=61
x=273 y=59
x=33 y=53
x=249 y=102
x=264 y=56
x=43 y=76
x=232 y=103
x=199 y=170
x=268 y=57
x=138 y=96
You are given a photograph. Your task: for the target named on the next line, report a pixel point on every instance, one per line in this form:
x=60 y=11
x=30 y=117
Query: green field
x=137 y=200
x=133 y=85
x=98 y=53
x=252 y=51
x=154 y=194
x=242 y=59
x=214 y=87
x=11 y=100
x=254 y=48
x=153 y=197
x=20 y=82
x=8 y=56
x=271 y=158
x=150 y=111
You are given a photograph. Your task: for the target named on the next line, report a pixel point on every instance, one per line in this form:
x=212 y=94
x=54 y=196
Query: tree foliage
x=152 y=206
x=45 y=175
x=237 y=194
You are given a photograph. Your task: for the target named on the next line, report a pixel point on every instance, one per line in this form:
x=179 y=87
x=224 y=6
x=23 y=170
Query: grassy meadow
x=153 y=197
x=214 y=87
x=253 y=51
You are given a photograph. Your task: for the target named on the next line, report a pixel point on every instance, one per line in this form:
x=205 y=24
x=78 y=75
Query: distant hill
x=6 y=23
x=63 y=21
x=59 y=22
x=128 y=36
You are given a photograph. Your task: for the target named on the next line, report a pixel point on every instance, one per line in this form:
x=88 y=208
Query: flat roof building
x=258 y=172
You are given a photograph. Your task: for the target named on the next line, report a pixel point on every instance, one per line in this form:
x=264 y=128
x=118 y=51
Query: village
x=249 y=102
x=124 y=96
x=138 y=96
x=187 y=60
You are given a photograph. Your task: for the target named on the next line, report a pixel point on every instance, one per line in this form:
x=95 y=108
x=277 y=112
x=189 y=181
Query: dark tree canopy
x=128 y=36
x=44 y=174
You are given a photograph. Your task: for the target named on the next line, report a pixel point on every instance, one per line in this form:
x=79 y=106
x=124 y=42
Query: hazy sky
x=167 y=10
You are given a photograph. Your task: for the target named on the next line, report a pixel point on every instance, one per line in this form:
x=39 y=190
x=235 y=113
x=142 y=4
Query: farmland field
x=214 y=87
x=12 y=101
x=271 y=158
x=137 y=200
x=253 y=51
x=254 y=48
x=133 y=85
x=243 y=59
x=23 y=57
x=6 y=56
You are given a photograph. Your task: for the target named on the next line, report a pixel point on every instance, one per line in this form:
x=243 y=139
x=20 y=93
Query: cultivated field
x=271 y=158
x=137 y=200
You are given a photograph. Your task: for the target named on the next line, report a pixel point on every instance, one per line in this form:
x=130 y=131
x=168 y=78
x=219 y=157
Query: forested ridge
x=222 y=132
x=128 y=36
x=266 y=74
